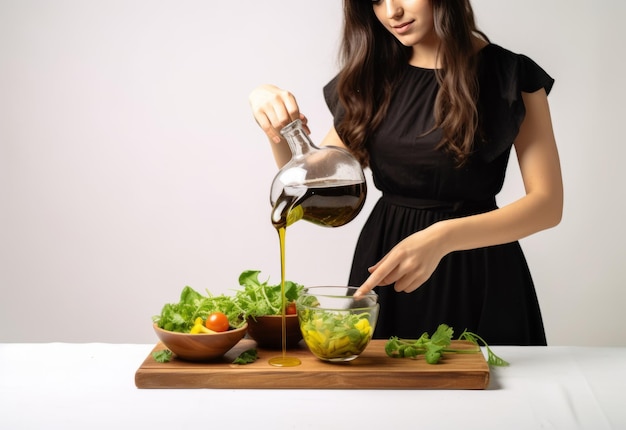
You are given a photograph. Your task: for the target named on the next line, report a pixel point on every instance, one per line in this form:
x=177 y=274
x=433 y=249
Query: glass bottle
x=325 y=186
x=322 y=185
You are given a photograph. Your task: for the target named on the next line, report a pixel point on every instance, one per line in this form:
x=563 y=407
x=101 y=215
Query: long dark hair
x=372 y=60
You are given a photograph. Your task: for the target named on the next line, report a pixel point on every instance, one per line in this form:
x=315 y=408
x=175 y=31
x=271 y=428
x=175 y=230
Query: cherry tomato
x=217 y=321
x=291 y=308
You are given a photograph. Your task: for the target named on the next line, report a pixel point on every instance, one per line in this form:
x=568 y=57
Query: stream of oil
x=283 y=360
x=330 y=204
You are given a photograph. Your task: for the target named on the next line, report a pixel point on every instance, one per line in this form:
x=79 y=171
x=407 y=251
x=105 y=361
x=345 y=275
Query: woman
x=433 y=108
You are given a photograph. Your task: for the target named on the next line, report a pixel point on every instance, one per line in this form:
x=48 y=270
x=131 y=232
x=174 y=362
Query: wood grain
x=372 y=370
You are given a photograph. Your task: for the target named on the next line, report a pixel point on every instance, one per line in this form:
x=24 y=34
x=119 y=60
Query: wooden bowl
x=267 y=331
x=202 y=346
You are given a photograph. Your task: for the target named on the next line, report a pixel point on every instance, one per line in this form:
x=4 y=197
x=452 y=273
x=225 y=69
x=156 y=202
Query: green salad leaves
x=254 y=299
x=180 y=316
x=259 y=298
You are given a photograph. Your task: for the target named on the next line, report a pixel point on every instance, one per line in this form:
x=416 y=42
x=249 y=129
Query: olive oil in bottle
x=325 y=203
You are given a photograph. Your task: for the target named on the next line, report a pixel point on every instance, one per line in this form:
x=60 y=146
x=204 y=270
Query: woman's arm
x=333 y=139
x=410 y=263
x=540 y=208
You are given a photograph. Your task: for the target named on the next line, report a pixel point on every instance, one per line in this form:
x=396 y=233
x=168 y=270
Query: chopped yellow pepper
x=199 y=327
x=364 y=327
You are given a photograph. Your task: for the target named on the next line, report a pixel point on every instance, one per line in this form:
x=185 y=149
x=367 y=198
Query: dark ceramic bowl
x=267 y=331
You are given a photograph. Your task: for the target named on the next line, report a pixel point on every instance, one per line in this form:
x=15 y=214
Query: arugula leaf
x=259 y=298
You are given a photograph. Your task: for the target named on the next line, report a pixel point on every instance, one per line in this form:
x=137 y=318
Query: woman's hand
x=409 y=264
x=273 y=108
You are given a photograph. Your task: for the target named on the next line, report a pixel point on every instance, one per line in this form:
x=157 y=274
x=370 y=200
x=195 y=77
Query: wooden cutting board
x=372 y=370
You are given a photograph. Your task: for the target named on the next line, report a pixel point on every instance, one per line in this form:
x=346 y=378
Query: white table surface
x=91 y=386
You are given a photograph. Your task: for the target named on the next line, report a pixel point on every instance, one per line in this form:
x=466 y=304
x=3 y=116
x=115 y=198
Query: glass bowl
x=335 y=326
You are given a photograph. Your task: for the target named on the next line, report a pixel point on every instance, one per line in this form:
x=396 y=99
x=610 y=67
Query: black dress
x=488 y=291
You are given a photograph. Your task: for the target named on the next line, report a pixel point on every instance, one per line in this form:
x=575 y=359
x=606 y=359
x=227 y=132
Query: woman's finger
x=380 y=273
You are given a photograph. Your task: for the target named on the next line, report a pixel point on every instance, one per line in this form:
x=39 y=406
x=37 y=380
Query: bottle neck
x=299 y=142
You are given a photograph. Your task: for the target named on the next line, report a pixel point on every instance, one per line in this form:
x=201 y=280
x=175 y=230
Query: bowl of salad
x=335 y=326
x=200 y=346
x=263 y=308
x=200 y=327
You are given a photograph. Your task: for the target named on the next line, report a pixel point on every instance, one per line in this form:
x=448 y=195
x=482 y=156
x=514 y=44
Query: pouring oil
x=283 y=360
x=325 y=203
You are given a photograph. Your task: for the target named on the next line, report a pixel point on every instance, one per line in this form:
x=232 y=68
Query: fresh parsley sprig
x=246 y=357
x=492 y=358
x=162 y=356
x=432 y=347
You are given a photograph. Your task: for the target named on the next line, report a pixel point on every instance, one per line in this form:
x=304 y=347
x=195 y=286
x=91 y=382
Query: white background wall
x=130 y=165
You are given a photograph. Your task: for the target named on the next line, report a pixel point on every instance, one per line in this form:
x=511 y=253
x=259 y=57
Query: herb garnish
x=433 y=347
x=162 y=356
x=246 y=357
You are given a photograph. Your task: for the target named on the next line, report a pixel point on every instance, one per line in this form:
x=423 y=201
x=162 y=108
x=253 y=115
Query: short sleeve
x=533 y=77
x=503 y=77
